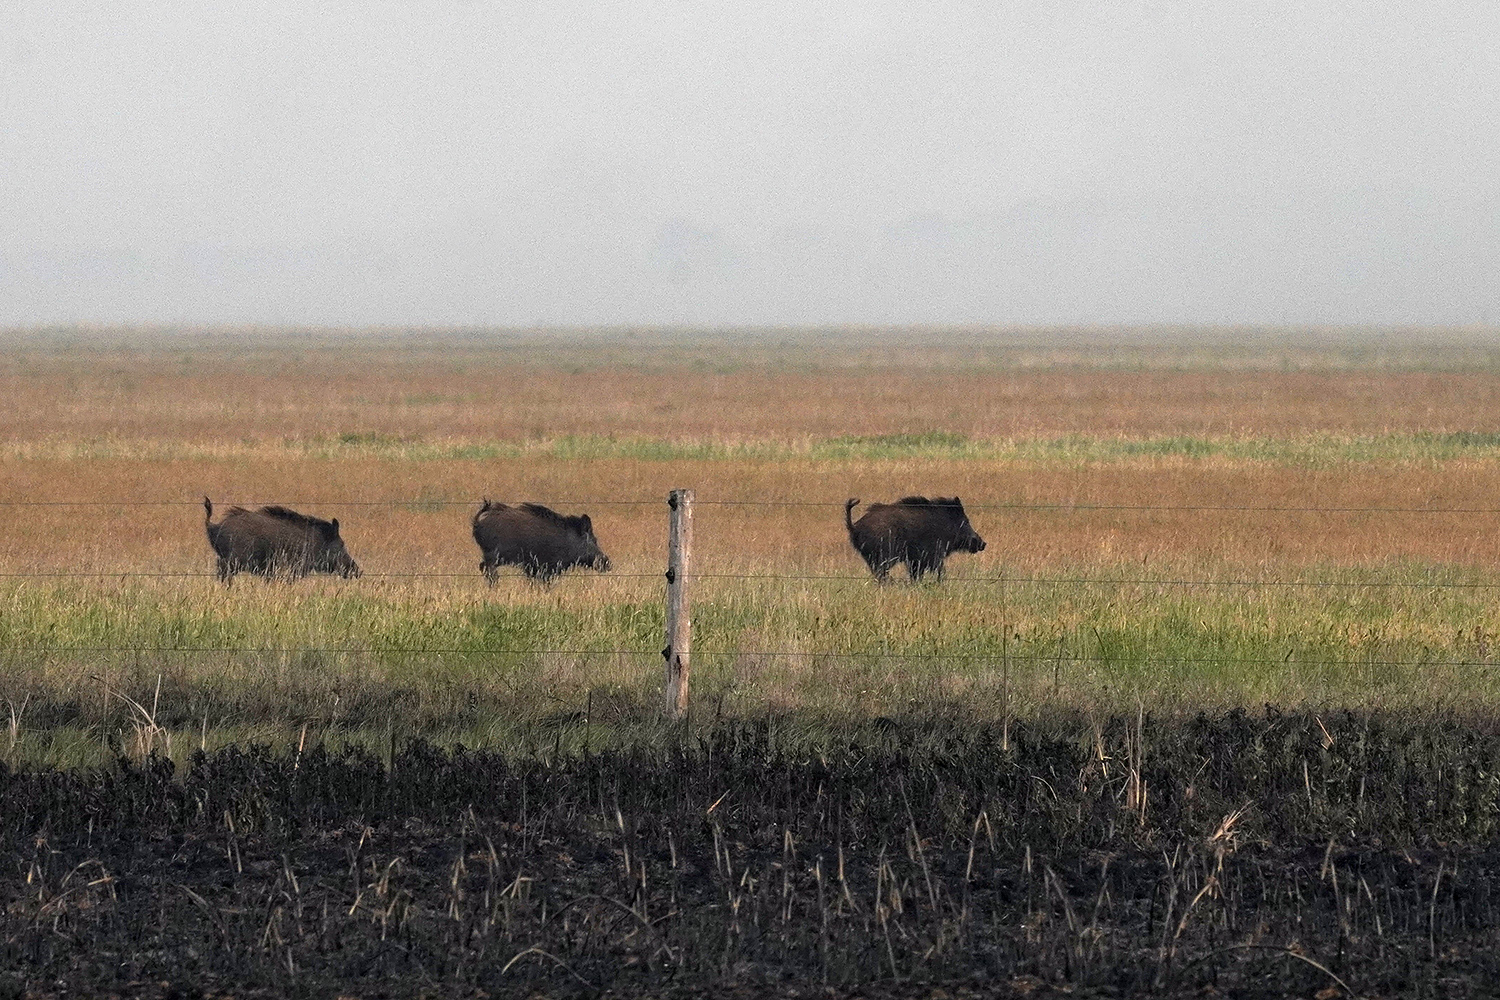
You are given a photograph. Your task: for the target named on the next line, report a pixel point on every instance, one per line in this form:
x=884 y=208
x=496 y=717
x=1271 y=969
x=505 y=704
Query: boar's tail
x=849 y=506
x=208 y=523
x=484 y=505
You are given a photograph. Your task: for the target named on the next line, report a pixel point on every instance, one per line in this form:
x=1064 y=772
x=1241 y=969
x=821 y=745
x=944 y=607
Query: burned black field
x=1242 y=854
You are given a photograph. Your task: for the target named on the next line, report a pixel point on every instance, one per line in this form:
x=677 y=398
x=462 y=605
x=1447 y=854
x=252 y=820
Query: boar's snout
x=601 y=563
x=974 y=542
x=341 y=562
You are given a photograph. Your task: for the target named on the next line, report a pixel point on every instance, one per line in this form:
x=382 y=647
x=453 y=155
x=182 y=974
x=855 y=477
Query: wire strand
x=819 y=578
x=131 y=574
x=1122 y=582
x=1040 y=506
x=761 y=654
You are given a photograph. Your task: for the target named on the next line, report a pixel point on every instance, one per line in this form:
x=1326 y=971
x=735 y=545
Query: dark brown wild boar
x=914 y=530
x=539 y=540
x=275 y=542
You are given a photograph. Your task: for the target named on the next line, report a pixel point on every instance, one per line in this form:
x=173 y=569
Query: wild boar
x=914 y=530
x=275 y=542
x=539 y=540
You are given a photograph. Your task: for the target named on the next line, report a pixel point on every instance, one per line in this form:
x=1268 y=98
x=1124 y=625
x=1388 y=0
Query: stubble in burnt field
x=1235 y=855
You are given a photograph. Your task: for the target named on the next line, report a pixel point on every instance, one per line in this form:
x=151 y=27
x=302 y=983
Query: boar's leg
x=260 y=560
x=878 y=558
x=537 y=572
x=923 y=561
x=491 y=571
x=882 y=566
x=226 y=572
x=285 y=569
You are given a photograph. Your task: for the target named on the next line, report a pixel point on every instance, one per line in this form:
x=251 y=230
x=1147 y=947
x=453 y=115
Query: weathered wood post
x=679 y=609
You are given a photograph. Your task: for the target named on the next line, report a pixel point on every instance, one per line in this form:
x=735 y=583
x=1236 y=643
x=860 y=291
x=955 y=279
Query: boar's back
x=276 y=531
x=913 y=517
x=529 y=531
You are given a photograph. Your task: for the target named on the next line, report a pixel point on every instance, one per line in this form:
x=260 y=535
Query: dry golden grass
x=213 y=390
x=424 y=528
x=244 y=405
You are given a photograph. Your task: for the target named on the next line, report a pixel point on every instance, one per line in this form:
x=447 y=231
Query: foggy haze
x=581 y=163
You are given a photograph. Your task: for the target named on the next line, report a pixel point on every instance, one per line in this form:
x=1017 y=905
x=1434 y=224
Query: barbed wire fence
x=678 y=659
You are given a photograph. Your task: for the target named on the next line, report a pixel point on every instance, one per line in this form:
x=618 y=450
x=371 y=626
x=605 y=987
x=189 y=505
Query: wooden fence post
x=679 y=609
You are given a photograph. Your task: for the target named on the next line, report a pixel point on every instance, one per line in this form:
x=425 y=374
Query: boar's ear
x=588 y=525
x=335 y=523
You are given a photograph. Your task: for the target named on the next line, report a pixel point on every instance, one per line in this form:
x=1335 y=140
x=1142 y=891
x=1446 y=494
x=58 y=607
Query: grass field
x=1215 y=713
x=1141 y=578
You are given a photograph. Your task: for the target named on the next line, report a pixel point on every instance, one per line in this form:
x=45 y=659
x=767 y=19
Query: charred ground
x=1249 y=854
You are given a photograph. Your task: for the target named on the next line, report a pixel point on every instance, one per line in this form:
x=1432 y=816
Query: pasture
x=1215 y=707
x=1170 y=524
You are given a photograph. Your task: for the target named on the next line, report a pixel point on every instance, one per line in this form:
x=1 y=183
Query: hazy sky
x=445 y=162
